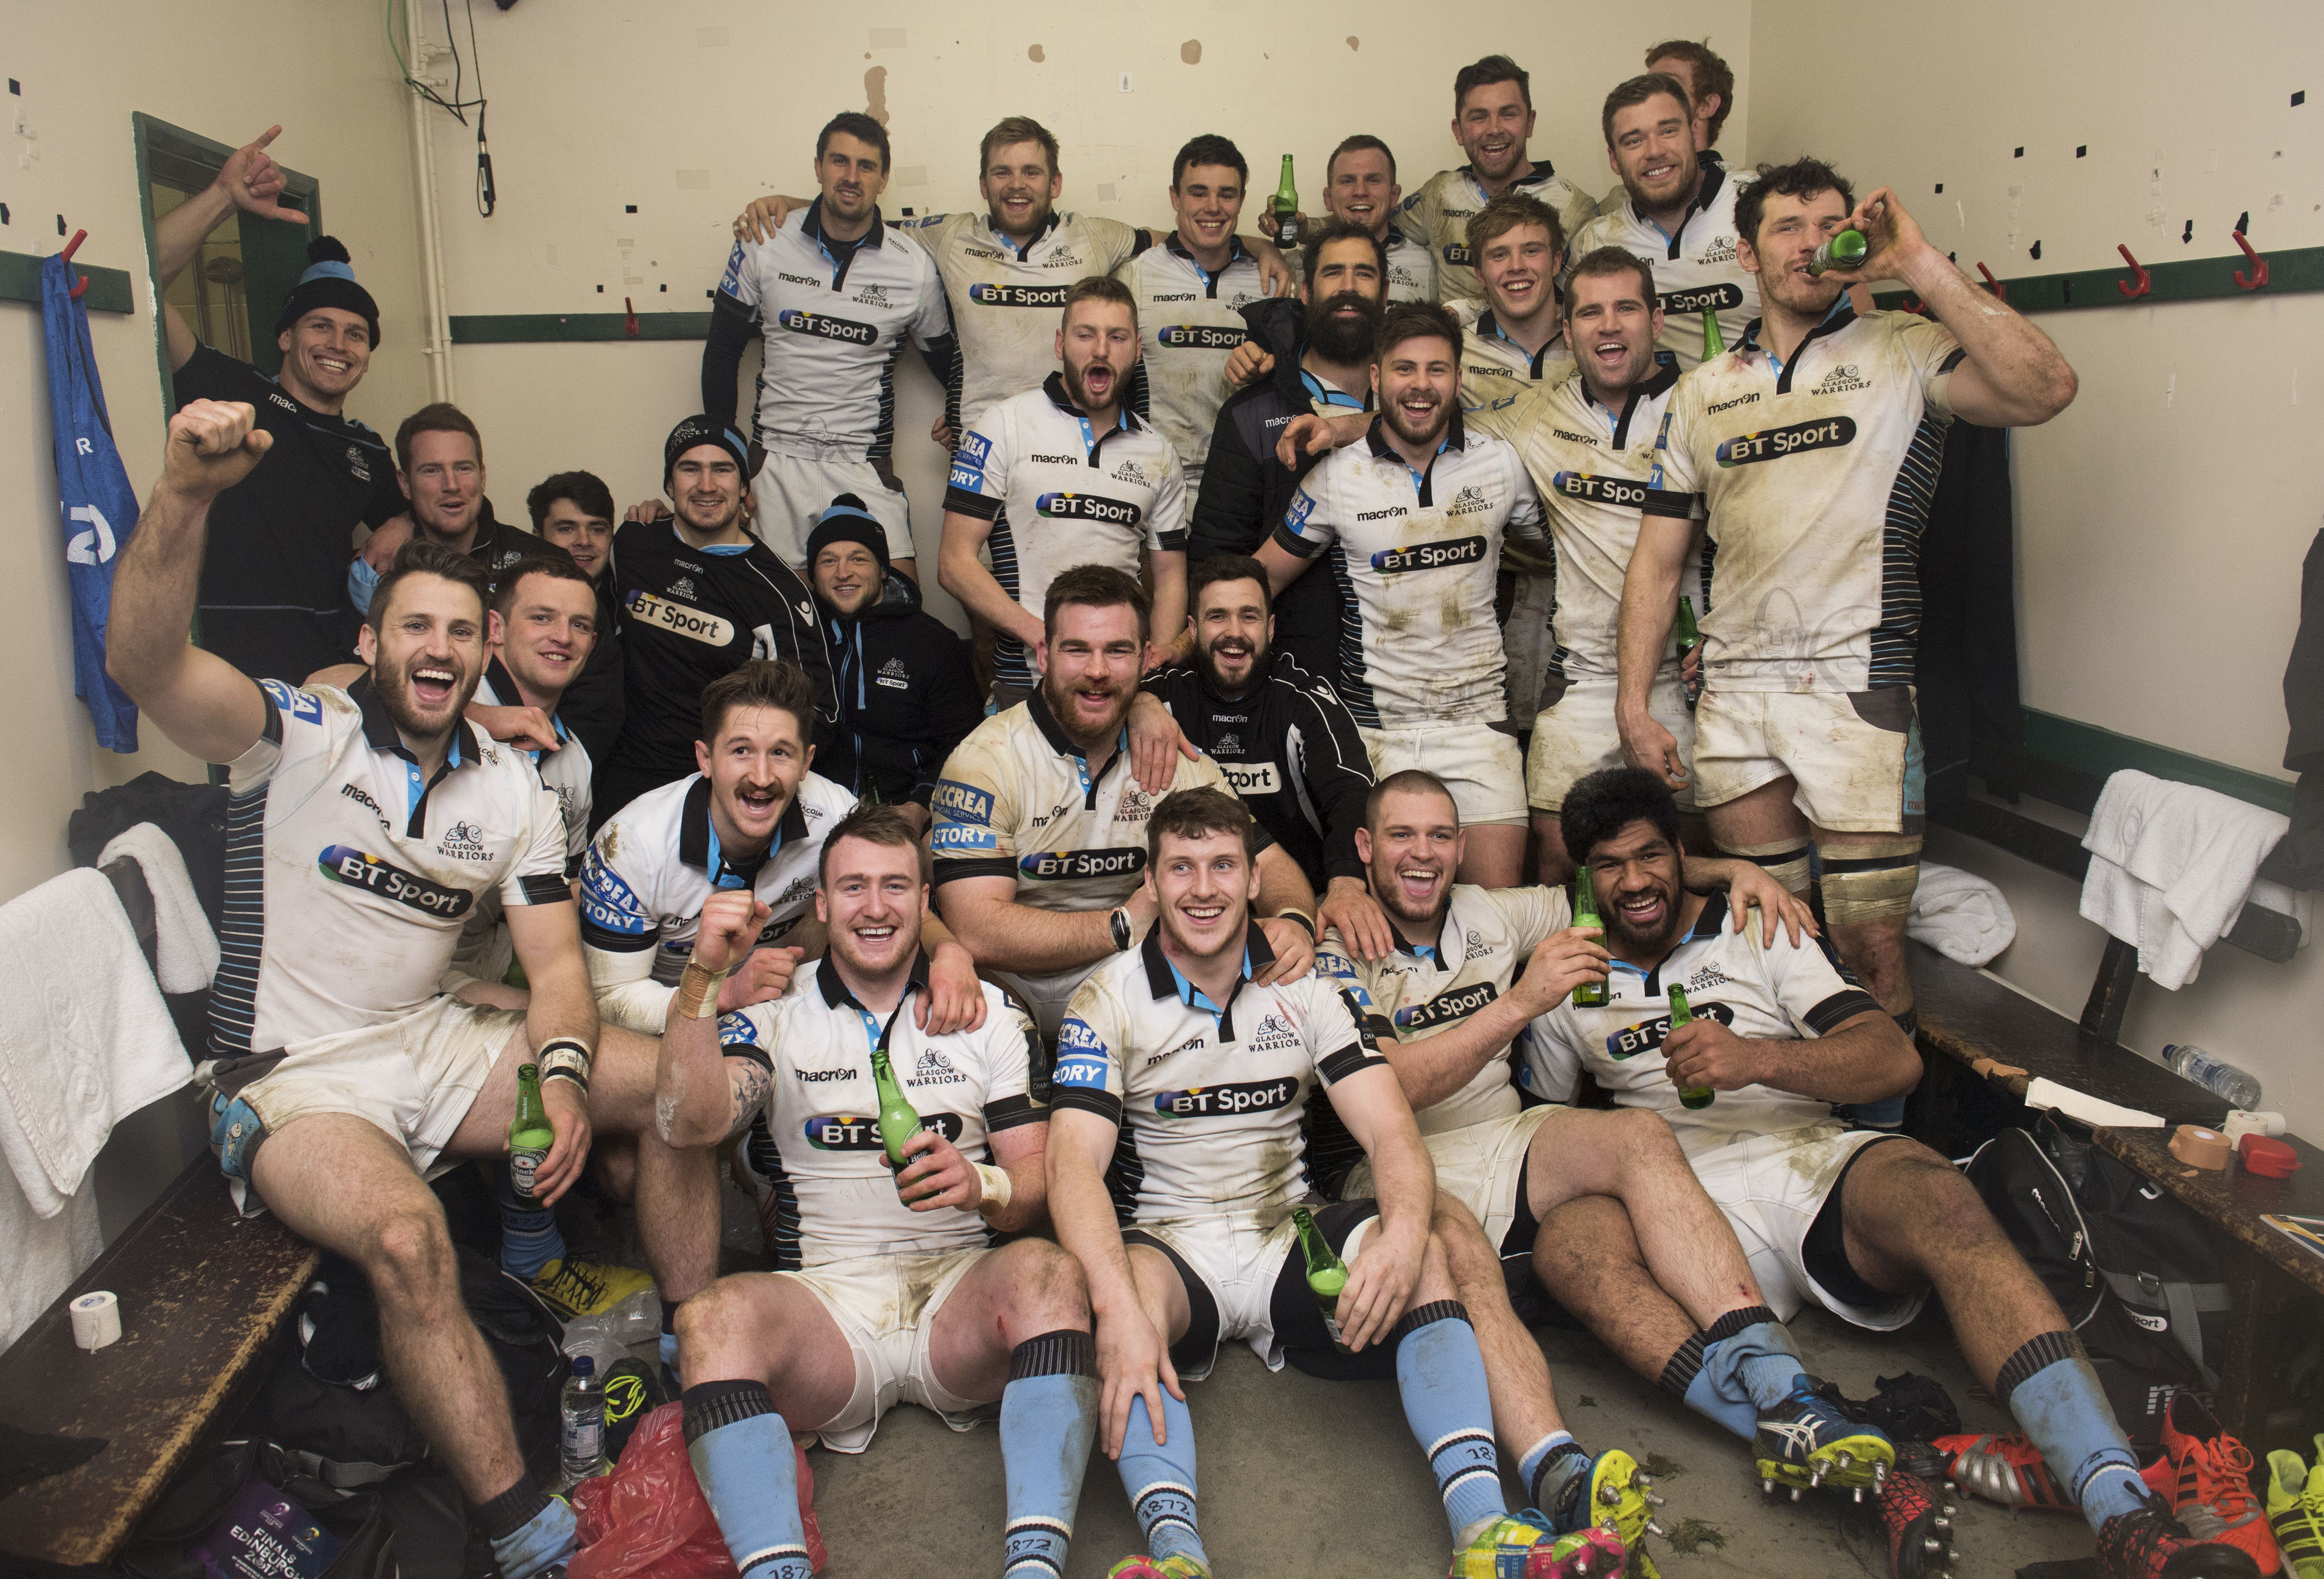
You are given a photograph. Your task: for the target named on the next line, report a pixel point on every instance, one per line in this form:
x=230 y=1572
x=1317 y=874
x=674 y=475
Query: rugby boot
x=2147 y=1543
x=1919 y=1528
x=2205 y=1477
x=1807 y=1442
x=2295 y=1509
x=1177 y=1565
x=1616 y=1495
x=2007 y=1470
x=1524 y=1547
x=574 y=1287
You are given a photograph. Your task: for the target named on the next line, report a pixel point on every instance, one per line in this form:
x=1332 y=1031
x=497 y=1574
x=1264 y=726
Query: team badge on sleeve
x=1082 y=1057
x=735 y=1030
x=968 y=462
x=301 y=705
x=606 y=901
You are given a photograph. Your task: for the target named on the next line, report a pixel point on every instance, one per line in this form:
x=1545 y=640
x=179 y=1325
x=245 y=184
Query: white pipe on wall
x=438 y=348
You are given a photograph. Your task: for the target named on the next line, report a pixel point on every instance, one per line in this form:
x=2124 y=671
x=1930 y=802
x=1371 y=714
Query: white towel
x=185 y=949
x=2092 y=1110
x=2171 y=865
x=84 y=1039
x=43 y=1257
x=1959 y=915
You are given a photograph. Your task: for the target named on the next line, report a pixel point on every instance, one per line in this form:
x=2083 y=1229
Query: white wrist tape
x=997 y=1187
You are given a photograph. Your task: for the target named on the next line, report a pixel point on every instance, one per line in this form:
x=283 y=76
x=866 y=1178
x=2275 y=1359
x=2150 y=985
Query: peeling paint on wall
x=1036 y=55
x=1355 y=43
x=1191 y=52
x=875 y=94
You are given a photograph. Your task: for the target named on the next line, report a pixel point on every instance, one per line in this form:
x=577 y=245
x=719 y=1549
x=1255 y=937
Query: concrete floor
x=1302 y=1479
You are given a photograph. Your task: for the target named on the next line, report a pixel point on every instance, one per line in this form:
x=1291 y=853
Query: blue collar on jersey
x=1317 y=390
x=1706 y=193
x=994 y=232
x=381 y=734
x=1665 y=375
x=1433 y=953
x=1542 y=172
x=1065 y=746
x=1486 y=324
x=503 y=684
x=697 y=837
x=1708 y=926
x=813 y=225
x=1455 y=438
x=1841 y=314
x=1054 y=386
x=1164 y=981
x=877 y=1036
x=1235 y=255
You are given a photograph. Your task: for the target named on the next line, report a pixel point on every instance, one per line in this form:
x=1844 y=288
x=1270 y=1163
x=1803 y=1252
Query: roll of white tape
x=2240 y=1123
x=96 y=1320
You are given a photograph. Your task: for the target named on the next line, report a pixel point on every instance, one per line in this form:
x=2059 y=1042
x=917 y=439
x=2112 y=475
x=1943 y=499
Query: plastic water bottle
x=2214 y=1074
x=582 y=1442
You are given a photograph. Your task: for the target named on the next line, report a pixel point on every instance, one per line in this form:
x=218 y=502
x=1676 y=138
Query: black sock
x=512 y=1510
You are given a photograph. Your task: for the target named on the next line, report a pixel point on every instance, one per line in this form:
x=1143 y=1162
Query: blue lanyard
x=720 y=876
x=1419 y=477
x=1330 y=397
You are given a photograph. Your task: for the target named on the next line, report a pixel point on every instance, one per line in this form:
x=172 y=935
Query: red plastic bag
x=649 y=1518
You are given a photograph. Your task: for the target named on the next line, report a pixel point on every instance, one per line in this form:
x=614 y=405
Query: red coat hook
x=2145 y=281
x=2000 y=293
x=629 y=317
x=2258 y=276
x=80 y=282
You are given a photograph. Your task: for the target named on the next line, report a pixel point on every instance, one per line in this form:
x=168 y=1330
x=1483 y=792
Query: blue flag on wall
x=99 y=508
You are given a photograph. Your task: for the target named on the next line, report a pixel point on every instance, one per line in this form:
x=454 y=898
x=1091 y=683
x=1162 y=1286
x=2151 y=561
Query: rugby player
x=1492 y=117
x=1360 y=189
x=363 y=825
x=823 y=1343
x=834 y=295
x=1710 y=84
x=1858 y=1221
x=1815 y=444
x=1182 y=1078
x=1038 y=841
x=1678 y=210
x=440 y=462
x=574 y=511
x=1412 y=521
x=1061 y=475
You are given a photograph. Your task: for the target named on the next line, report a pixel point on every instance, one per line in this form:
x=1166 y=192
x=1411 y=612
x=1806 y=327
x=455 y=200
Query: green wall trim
x=20 y=280
x=2177 y=280
x=2100 y=752
x=539 y=327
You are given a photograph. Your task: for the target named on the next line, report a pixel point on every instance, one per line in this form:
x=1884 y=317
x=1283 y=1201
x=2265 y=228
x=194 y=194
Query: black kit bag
x=163 y=1546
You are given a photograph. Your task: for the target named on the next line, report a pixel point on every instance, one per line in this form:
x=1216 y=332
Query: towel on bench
x=185 y=949
x=1959 y=915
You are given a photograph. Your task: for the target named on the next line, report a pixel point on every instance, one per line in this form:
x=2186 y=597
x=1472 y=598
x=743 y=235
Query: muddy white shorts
x=1772 y=1187
x=1579 y=737
x=1481 y=1166
x=792 y=490
x=886 y=1306
x=1856 y=755
x=1478 y=763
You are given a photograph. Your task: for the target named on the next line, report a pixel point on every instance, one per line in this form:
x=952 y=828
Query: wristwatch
x=1121 y=936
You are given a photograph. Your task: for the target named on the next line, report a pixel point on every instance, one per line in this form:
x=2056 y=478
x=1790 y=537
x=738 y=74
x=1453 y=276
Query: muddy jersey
x=1817 y=474
x=349 y=874
x=1190 y=320
x=1437 y=216
x=656 y=859
x=1007 y=301
x=1018 y=800
x=833 y=321
x=565 y=770
x=1416 y=556
x=1482 y=942
x=1493 y=366
x=1593 y=467
x=1695 y=269
x=1208 y=1096
x=1060 y=494
x=1761 y=994
x=817 y=1138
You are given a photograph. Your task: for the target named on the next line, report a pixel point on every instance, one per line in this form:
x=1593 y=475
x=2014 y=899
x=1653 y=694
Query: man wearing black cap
x=698 y=595
x=272 y=599
x=906 y=693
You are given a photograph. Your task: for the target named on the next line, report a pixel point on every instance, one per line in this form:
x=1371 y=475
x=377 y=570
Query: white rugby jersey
x=1592 y=467
x=1017 y=799
x=1437 y=216
x=833 y=326
x=1208 y=1097
x=1695 y=271
x=817 y=1137
x=1817 y=476
x=565 y=770
x=1760 y=994
x=1190 y=320
x=1484 y=939
x=1007 y=302
x=348 y=875
x=1060 y=494
x=1494 y=367
x=1416 y=556
x=656 y=859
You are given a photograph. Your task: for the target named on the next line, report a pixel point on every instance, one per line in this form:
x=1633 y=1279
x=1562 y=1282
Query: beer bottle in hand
x=1588 y=994
x=898 y=1120
x=1714 y=343
x=1327 y=1274
x=1287 y=204
x=1694 y=1096
x=1843 y=249
x=529 y=1134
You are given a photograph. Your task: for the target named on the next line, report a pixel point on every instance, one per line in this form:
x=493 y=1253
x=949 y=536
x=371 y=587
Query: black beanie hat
x=328 y=282
x=697 y=430
x=848 y=521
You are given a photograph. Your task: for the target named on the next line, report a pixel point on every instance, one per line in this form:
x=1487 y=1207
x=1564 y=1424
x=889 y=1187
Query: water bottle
x=582 y=1441
x=2214 y=1074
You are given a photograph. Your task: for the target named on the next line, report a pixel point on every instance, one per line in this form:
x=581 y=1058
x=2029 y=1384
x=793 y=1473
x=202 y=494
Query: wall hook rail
x=2000 y=291
x=2145 y=281
x=2258 y=276
x=80 y=282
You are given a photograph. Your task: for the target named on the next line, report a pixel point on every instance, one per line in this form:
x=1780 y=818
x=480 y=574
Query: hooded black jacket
x=906 y=697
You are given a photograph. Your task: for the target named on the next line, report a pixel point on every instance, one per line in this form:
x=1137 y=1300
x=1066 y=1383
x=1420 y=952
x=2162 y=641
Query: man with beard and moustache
x=1061 y=475
x=833 y=297
x=1493 y=117
x=273 y=599
x=363 y=825
x=1312 y=355
x=1282 y=737
x=1815 y=444
x=1680 y=212
x=1469 y=969
x=1411 y=523
x=906 y=695
x=1859 y=1222
x=1040 y=836
x=822 y=1341
x=699 y=595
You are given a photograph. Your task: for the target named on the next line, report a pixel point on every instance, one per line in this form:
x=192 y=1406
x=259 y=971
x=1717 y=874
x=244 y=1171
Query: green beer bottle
x=898 y=1120
x=1588 y=994
x=1714 y=343
x=529 y=1134
x=1327 y=1274
x=1688 y=1095
x=1689 y=634
x=1286 y=204
x=1844 y=249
